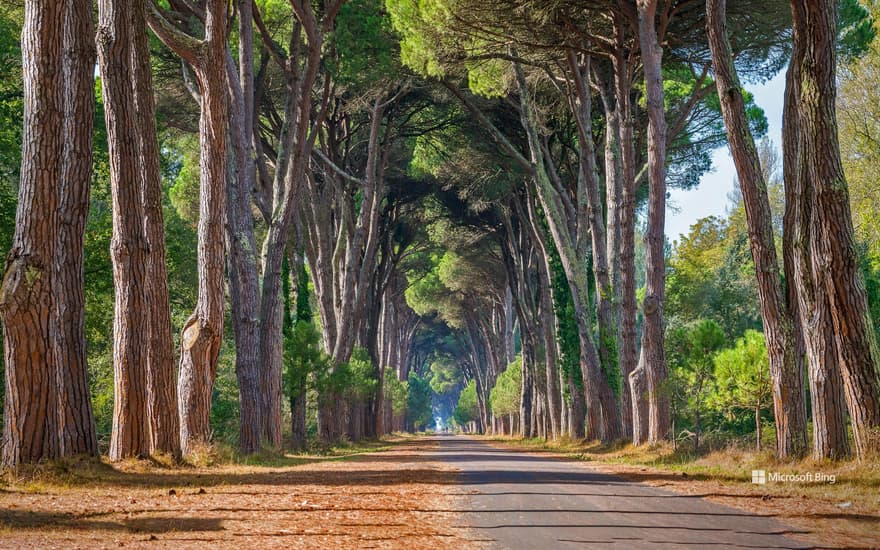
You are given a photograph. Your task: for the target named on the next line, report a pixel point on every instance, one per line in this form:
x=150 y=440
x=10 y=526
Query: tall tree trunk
x=590 y=207
x=294 y=155
x=787 y=376
x=629 y=307
x=271 y=340
x=526 y=409
x=547 y=324
x=614 y=235
x=76 y=425
x=131 y=430
x=605 y=415
x=47 y=412
x=162 y=410
x=652 y=361
x=241 y=242
x=810 y=310
x=835 y=268
x=202 y=334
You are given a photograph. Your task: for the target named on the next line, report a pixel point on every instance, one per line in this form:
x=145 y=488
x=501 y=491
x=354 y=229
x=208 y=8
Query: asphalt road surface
x=521 y=500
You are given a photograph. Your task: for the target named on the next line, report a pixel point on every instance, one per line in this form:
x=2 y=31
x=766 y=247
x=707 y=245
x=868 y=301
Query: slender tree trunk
x=835 y=268
x=76 y=425
x=638 y=382
x=131 y=430
x=788 y=383
x=203 y=332
x=605 y=416
x=241 y=242
x=578 y=409
x=758 y=433
x=554 y=394
x=162 y=410
x=629 y=306
x=527 y=388
x=614 y=237
x=652 y=360
x=588 y=191
x=271 y=342
x=47 y=412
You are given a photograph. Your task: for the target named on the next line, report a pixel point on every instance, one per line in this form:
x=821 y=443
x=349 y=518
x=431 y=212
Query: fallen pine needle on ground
x=395 y=498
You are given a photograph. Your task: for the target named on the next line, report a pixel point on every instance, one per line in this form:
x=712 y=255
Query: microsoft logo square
x=759 y=477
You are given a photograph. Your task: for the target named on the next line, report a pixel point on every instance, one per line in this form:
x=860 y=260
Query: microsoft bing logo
x=759 y=477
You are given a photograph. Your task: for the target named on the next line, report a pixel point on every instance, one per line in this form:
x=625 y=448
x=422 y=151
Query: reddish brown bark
x=652 y=362
x=786 y=374
x=835 y=270
x=162 y=410
x=244 y=293
x=203 y=332
x=76 y=425
x=131 y=434
x=623 y=68
x=47 y=413
x=810 y=311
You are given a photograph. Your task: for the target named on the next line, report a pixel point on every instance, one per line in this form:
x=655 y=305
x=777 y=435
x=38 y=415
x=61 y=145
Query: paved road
x=521 y=500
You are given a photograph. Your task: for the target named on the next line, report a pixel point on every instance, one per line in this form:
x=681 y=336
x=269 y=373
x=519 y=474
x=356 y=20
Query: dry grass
x=384 y=499
x=845 y=513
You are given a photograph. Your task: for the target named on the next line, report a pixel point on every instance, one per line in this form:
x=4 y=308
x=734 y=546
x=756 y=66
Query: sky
x=684 y=208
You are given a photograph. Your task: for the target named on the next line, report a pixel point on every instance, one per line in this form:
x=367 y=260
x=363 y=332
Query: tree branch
x=184 y=45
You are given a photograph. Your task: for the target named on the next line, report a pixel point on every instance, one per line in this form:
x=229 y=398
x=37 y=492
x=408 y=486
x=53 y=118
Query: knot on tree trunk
x=23 y=276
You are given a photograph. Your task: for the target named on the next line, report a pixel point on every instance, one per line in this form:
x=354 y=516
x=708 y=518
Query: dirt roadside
x=390 y=499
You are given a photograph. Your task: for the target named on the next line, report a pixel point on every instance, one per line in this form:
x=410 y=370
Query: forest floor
x=845 y=513
x=397 y=496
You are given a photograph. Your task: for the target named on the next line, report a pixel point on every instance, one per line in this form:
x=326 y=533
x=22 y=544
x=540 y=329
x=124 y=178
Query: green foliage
x=225 y=410
x=185 y=191
x=567 y=330
x=743 y=374
x=856 y=29
x=488 y=77
x=467 y=410
x=711 y=276
x=354 y=379
x=419 y=22
x=418 y=403
x=690 y=350
x=505 y=396
x=364 y=46
x=446 y=377
x=303 y=307
x=395 y=391
x=303 y=357
x=11 y=111
x=357 y=377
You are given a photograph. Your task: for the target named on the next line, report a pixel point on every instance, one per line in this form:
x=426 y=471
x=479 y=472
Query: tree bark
x=162 y=410
x=788 y=384
x=590 y=207
x=604 y=415
x=131 y=429
x=810 y=309
x=835 y=268
x=614 y=236
x=629 y=308
x=652 y=360
x=47 y=412
x=241 y=242
x=76 y=422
